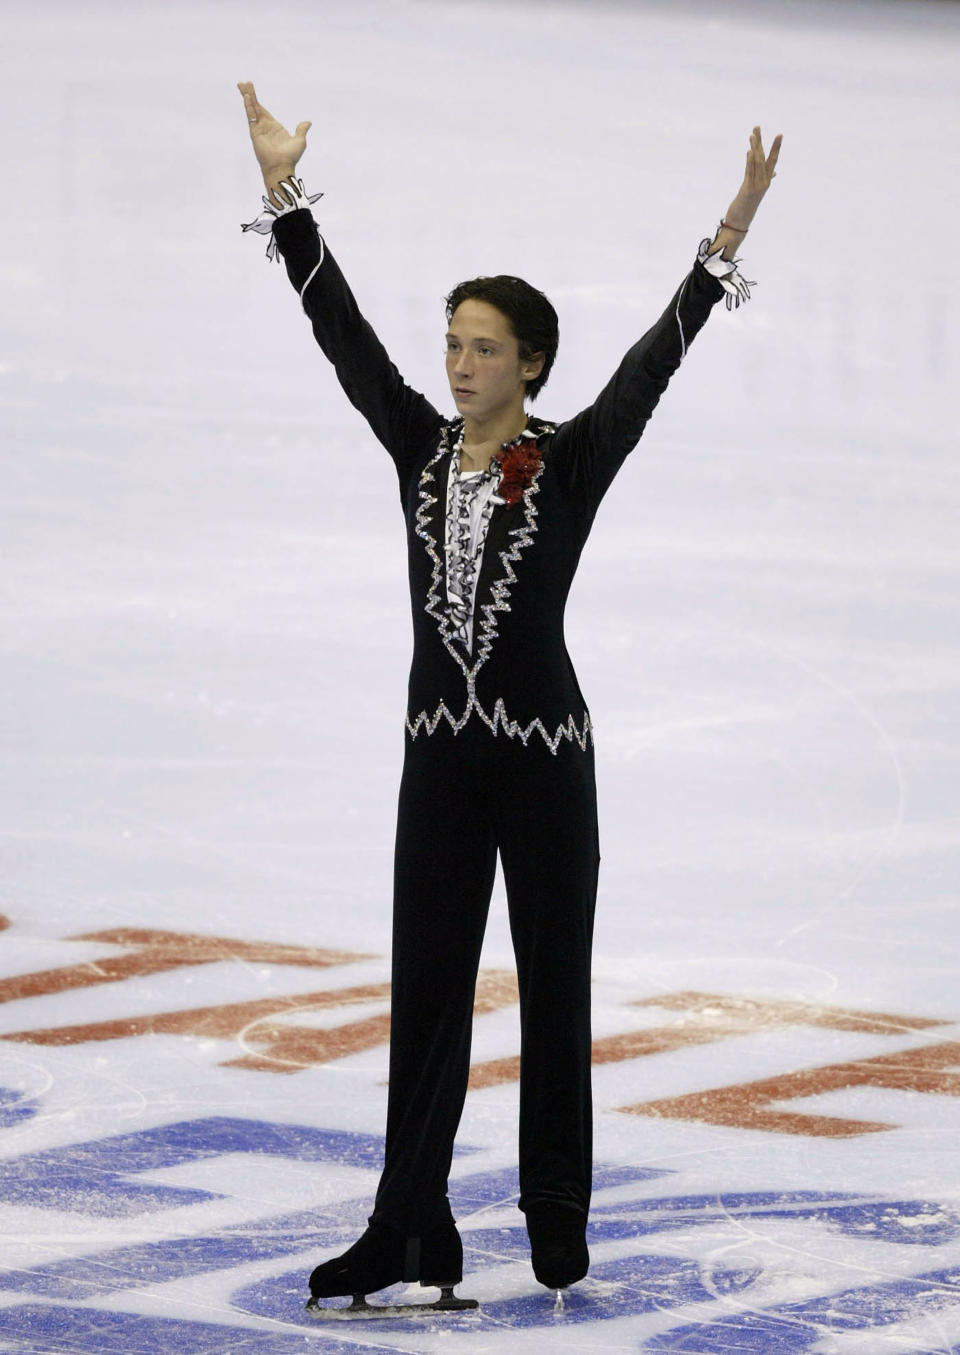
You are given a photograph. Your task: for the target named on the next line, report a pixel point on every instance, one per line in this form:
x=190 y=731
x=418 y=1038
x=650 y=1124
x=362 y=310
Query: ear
x=532 y=367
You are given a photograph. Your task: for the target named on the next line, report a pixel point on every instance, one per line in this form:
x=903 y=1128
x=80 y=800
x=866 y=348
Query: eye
x=485 y=350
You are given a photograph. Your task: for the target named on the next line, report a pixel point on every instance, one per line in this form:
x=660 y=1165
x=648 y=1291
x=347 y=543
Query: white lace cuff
x=297 y=197
x=725 y=271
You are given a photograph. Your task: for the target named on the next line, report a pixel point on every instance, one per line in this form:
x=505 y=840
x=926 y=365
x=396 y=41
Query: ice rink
x=205 y=631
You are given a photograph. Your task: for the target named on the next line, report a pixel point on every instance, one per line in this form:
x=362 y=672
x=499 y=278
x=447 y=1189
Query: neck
x=495 y=431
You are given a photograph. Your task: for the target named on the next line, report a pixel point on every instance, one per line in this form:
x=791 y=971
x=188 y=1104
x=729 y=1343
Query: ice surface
x=205 y=639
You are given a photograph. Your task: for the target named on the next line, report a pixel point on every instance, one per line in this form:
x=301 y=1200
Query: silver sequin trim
x=500 y=720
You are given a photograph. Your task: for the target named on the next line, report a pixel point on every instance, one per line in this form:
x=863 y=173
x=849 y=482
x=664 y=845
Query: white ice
x=204 y=617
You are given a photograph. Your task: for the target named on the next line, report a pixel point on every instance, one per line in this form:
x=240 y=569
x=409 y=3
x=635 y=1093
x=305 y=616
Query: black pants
x=463 y=797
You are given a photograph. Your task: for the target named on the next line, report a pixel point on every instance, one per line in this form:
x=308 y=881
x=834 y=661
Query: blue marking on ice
x=798 y=1327
x=90 y=1177
x=639 y=1284
x=11 y=1112
x=175 y=1258
x=71 y=1329
x=905 y=1222
x=644 y=1282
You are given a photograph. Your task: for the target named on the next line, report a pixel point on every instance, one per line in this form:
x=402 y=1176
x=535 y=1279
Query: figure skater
x=499 y=754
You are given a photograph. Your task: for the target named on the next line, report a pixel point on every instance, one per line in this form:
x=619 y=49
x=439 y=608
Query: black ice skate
x=384 y=1256
x=558 y=1245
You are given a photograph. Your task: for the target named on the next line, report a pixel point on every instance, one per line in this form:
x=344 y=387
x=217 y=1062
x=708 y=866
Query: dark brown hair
x=531 y=316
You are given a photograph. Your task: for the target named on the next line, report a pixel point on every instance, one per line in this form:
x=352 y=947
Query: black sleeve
x=590 y=448
x=401 y=418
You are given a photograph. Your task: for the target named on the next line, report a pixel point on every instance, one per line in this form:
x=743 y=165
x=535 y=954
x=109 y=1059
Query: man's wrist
x=742 y=210
x=274 y=176
x=272 y=181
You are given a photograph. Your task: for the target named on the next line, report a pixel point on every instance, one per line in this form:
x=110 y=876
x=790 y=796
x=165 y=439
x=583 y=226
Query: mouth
x=462 y=390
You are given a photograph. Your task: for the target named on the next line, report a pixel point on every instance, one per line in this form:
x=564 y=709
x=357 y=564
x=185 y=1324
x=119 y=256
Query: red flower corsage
x=519 y=463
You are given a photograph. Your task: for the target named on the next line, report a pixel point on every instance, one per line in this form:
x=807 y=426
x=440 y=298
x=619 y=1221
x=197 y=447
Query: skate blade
x=361 y=1310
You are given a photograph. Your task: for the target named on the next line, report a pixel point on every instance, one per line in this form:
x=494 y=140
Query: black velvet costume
x=501 y=734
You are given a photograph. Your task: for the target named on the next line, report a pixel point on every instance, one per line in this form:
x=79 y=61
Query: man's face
x=484 y=368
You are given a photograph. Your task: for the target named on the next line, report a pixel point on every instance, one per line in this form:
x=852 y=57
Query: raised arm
x=400 y=417
x=593 y=445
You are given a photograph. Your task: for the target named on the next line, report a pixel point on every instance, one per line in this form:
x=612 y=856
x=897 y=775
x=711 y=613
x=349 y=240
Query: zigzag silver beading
x=500 y=720
x=500 y=591
x=513 y=730
x=434 y=604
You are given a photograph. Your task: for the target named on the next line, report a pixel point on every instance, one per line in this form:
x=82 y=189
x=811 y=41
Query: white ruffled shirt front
x=471 y=498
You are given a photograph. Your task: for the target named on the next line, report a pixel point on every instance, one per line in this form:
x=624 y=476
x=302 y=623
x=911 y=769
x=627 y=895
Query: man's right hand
x=276 y=150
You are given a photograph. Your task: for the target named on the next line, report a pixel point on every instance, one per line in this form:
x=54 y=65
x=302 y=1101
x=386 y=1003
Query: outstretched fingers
x=774 y=155
x=249 y=96
x=761 y=168
x=253 y=108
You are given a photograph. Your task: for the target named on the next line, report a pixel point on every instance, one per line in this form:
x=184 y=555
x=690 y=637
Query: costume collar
x=534 y=428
